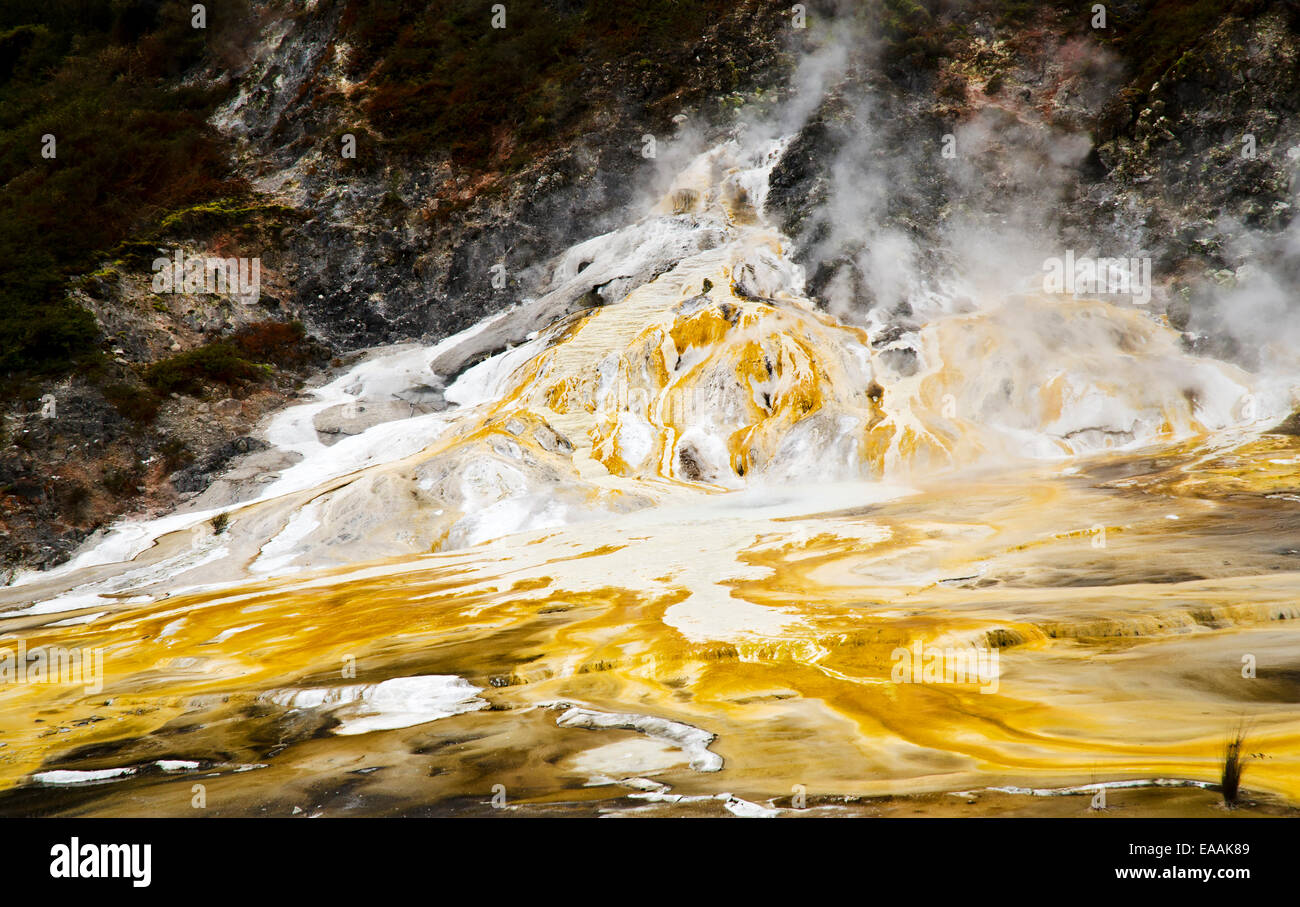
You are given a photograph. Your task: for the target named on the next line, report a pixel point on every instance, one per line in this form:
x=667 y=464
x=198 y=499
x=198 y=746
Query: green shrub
x=98 y=75
x=246 y=357
x=283 y=344
x=27 y=51
x=42 y=337
x=1153 y=35
x=188 y=372
x=176 y=453
x=135 y=403
x=75 y=496
x=120 y=482
x=441 y=79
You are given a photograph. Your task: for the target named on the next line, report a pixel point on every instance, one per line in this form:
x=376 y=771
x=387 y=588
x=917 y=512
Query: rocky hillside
x=399 y=169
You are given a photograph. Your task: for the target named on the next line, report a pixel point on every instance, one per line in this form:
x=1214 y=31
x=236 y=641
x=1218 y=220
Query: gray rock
x=354 y=418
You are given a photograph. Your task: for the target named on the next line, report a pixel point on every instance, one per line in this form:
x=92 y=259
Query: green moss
x=136 y=254
x=224 y=213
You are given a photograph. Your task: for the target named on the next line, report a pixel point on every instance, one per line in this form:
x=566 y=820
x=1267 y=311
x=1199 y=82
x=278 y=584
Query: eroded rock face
x=385 y=247
x=1054 y=137
x=400 y=247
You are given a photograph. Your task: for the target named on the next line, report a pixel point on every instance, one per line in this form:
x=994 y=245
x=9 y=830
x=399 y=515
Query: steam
x=924 y=214
x=1249 y=312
